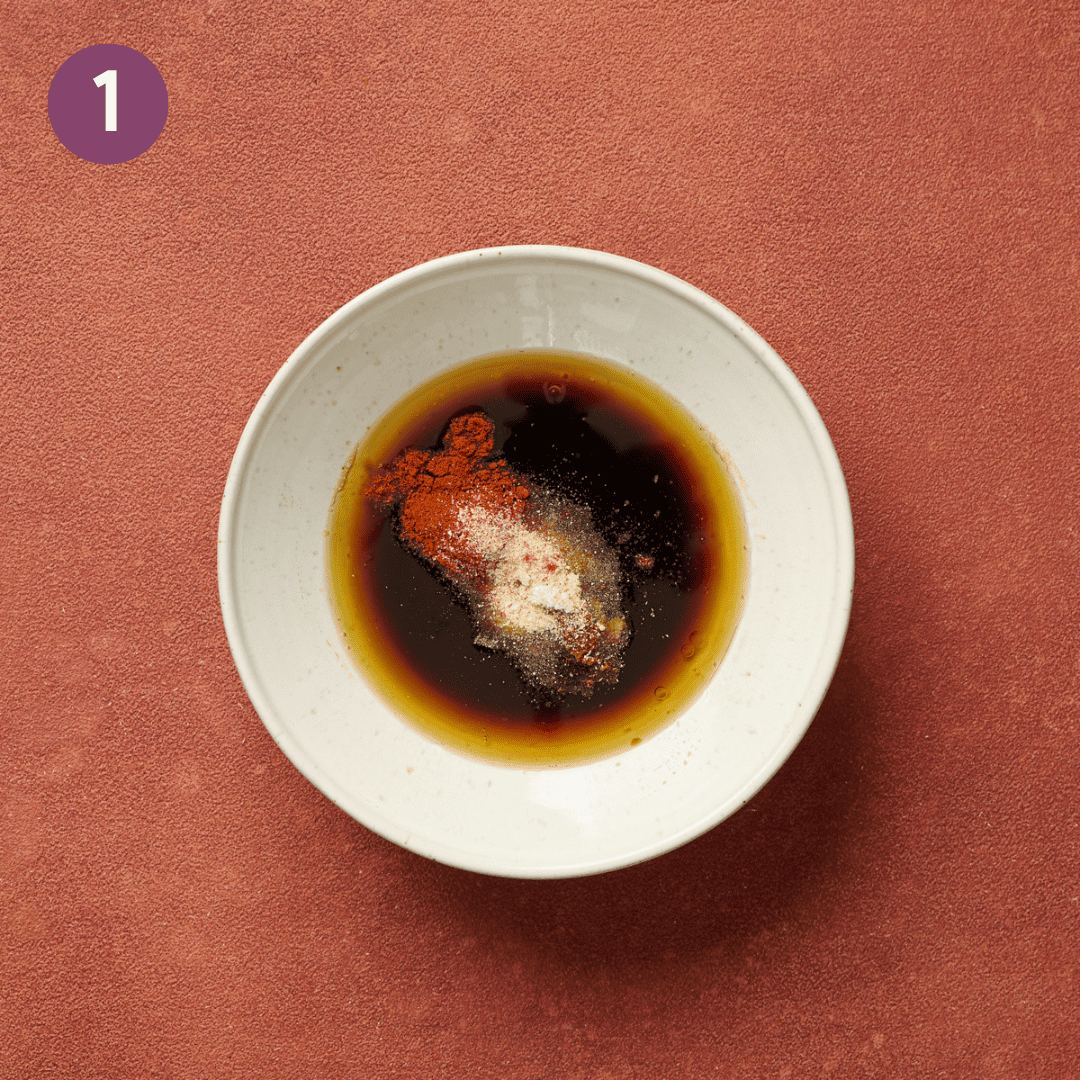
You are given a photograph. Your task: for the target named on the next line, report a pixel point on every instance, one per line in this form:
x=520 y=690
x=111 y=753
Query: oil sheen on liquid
x=658 y=489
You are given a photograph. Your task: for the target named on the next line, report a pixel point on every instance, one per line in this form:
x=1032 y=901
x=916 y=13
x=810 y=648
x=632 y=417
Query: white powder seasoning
x=529 y=578
x=550 y=595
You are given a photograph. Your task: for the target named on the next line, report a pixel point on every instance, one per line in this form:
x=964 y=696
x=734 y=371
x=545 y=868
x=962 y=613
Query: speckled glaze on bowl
x=468 y=813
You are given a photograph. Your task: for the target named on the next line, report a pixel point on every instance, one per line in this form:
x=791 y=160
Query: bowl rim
x=832 y=640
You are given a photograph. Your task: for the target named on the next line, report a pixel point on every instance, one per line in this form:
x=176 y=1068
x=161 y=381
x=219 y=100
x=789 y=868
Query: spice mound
x=541 y=584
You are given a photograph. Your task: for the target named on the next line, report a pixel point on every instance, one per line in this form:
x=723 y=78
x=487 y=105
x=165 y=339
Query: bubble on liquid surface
x=554 y=392
x=660 y=693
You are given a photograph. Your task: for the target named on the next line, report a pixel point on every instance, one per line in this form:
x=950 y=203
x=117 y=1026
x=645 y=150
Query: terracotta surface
x=889 y=196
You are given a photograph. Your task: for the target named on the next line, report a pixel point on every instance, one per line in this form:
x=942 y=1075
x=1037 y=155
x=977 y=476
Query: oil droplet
x=554 y=392
x=635 y=741
x=660 y=693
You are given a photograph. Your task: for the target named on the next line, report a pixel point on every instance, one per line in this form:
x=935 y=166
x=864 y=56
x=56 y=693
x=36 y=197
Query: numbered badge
x=108 y=104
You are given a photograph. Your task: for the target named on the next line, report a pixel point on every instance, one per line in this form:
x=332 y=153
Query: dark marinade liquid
x=589 y=446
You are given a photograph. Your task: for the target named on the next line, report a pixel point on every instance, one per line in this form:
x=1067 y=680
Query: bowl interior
x=477 y=815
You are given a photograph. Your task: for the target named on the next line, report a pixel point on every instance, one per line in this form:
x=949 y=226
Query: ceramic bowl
x=543 y=822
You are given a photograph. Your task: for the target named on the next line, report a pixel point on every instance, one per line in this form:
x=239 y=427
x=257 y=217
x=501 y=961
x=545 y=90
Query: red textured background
x=888 y=193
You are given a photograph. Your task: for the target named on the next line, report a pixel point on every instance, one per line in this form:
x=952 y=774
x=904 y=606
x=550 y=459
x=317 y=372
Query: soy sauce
x=603 y=437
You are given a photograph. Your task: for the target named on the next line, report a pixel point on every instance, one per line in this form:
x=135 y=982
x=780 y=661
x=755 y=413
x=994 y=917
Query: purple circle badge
x=108 y=104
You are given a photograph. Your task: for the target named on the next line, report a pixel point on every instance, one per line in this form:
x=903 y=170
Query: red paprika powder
x=429 y=488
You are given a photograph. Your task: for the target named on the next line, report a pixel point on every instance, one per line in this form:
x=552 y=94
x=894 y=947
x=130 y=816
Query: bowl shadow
x=772 y=864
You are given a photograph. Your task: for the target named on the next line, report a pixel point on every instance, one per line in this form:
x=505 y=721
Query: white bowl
x=472 y=814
